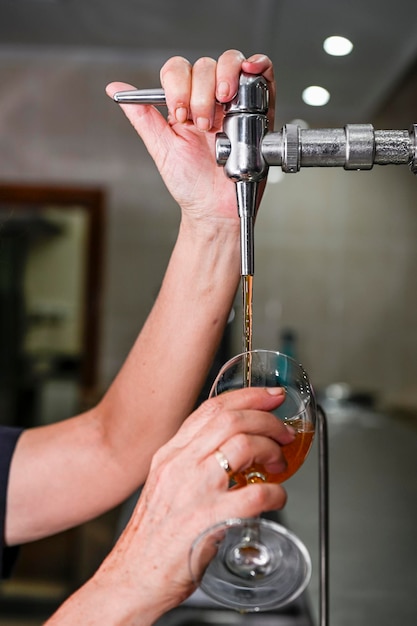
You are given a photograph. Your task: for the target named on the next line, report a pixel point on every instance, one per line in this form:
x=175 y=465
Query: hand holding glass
x=259 y=564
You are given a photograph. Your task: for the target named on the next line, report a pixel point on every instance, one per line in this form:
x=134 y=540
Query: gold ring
x=223 y=462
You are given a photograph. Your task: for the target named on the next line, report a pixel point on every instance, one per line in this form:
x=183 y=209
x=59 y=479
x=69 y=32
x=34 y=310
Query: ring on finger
x=223 y=462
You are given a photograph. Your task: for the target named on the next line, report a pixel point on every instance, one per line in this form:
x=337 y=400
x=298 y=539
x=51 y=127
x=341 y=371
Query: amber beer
x=294 y=454
x=247 y=292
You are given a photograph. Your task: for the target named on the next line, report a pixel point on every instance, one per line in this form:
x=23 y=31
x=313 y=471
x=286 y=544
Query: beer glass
x=257 y=564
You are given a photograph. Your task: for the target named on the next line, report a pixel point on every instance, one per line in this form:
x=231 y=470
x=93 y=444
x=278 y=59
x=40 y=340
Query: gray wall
x=337 y=262
x=336 y=254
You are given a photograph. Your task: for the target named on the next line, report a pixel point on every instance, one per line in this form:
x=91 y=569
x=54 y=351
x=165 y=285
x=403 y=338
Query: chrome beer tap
x=238 y=148
x=246 y=148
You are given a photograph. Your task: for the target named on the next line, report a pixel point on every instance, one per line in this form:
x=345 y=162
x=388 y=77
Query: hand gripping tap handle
x=244 y=127
x=246 y=149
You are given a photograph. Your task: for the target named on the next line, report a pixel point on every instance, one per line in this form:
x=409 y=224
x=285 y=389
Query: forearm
x=163 y=374
x=96 y=604
x=104 y=455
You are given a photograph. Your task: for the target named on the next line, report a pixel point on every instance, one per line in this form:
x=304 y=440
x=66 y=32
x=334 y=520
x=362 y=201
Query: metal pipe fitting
x=354 y=147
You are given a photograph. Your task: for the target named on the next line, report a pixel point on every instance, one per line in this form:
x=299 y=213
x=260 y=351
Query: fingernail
x=181 y=114
x=223 y=89
x=276 y=391
x=202 y=123
x=291 y=430
x=276 y=468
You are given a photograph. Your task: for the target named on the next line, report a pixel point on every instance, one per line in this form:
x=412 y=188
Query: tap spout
x=246 y=193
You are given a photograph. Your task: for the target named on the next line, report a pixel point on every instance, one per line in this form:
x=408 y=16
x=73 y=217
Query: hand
x=187 y=491
x=183 y=147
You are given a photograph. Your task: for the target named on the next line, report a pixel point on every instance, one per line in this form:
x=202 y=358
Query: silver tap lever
x=141 y=96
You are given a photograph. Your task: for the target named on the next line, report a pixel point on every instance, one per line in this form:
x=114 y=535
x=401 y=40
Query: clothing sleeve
x=8 y=441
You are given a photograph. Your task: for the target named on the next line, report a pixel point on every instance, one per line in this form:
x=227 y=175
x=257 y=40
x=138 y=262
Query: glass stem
x=251 y=532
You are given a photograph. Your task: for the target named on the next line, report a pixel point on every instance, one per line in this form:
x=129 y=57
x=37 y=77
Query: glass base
x=257 y=565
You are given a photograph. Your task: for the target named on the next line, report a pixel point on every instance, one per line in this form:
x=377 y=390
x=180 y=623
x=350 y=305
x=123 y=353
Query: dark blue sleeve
x=8 y=440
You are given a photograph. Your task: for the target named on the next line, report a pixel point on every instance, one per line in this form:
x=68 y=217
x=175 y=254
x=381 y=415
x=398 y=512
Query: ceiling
x=291 y=32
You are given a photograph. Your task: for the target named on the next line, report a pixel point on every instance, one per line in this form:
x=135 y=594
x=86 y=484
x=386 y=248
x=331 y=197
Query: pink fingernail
x=202 y=123
x=276 y=391
x=181 y=114
x=223 y=89
x=291 y=430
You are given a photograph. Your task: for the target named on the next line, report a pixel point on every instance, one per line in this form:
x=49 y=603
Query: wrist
x=216 y=231
x=209 y=255
x=105 y=600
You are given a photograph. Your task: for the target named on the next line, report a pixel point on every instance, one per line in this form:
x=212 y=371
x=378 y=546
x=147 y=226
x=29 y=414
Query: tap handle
x=251 y=97
x=239 y=146
x=141 y=96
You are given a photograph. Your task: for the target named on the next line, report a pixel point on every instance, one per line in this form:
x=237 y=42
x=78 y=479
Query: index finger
x=175 y=78
x=219 y=410
x=261 y=398
x=261 y=64
x=229 y=66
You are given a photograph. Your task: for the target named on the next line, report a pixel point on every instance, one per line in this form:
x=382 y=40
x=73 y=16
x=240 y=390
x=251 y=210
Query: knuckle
x=218 y=402
x=204 y=63
x=261 y=497
x=165 y=465
x=231 y=420
x=218 y=409
x=158 y=459
x=210 y=409
x=233 y=53
x=216 y=412
x=243 y=446
x=256 y=499
x=174 y=64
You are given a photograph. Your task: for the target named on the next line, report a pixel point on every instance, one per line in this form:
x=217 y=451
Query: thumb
x=148 y=122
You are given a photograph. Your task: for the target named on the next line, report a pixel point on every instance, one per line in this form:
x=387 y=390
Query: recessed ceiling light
x=337 y=46
x=316 y=96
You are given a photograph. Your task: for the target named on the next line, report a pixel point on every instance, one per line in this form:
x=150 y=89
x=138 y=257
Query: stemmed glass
x=257 y=564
